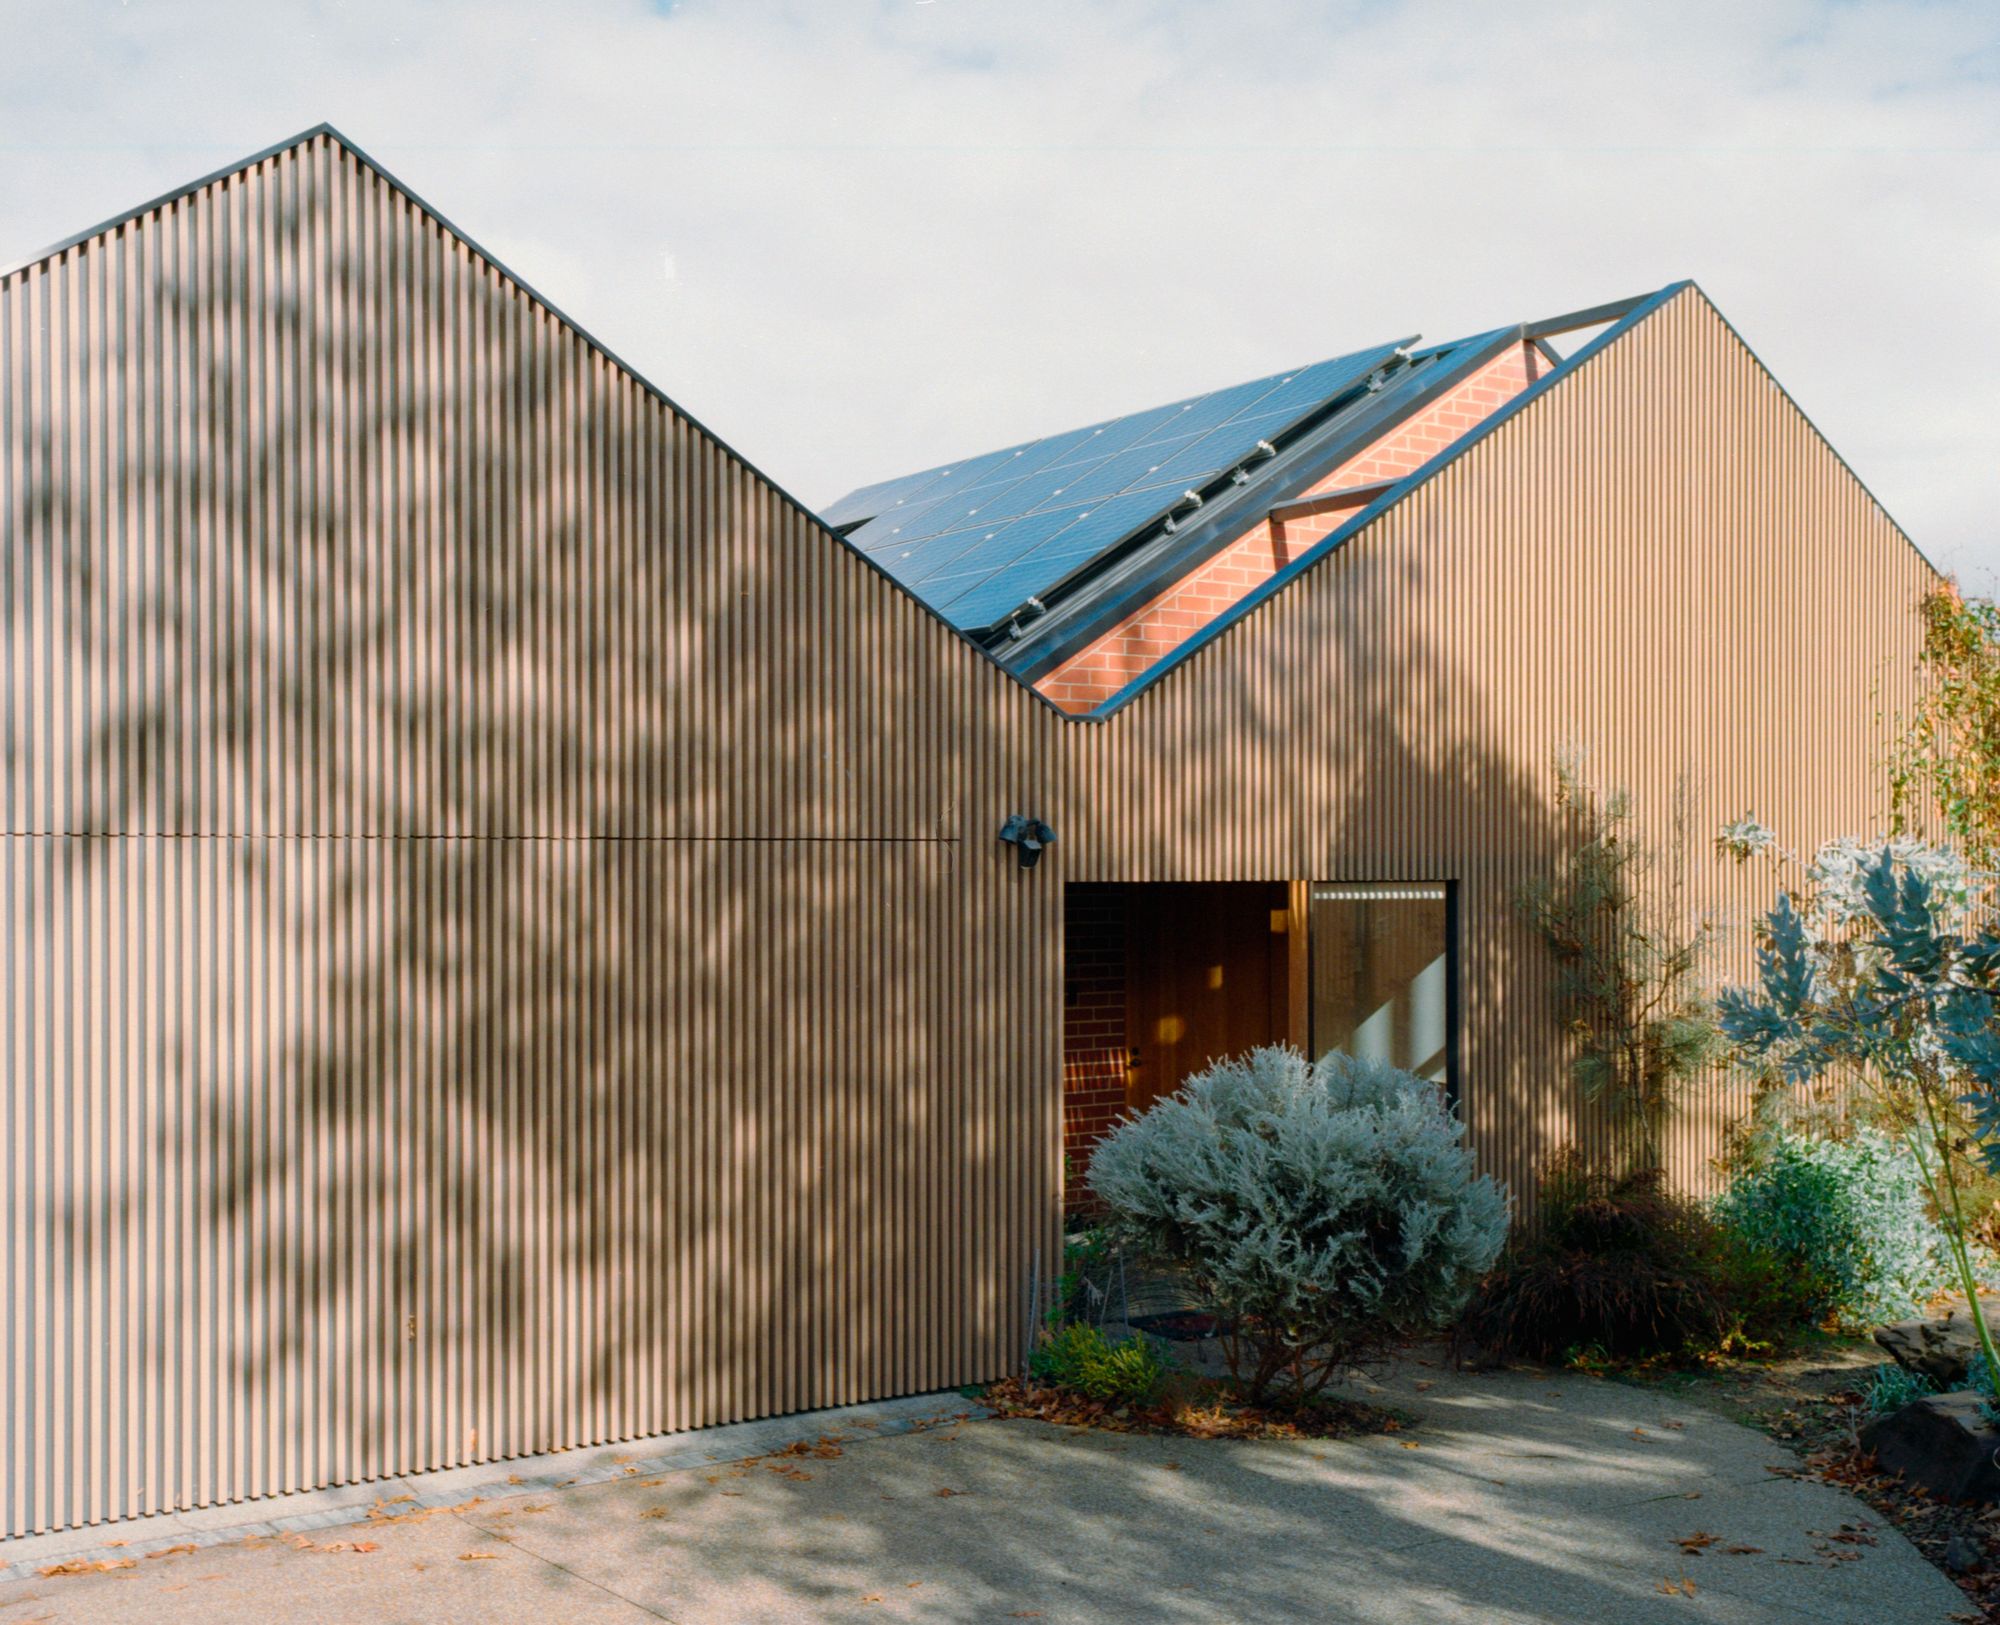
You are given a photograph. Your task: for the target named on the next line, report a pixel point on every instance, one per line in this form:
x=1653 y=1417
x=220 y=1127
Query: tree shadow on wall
x=1339 y=734
x=519 y=861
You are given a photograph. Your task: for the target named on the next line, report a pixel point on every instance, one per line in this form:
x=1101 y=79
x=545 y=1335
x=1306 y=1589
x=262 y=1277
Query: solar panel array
x=976 y=539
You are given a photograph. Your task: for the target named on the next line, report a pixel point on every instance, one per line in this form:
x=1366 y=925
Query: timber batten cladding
x=502 y=942
x=494 y=955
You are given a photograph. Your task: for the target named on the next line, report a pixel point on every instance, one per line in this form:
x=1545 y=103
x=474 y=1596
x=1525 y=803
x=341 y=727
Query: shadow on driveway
x=1514 y=1498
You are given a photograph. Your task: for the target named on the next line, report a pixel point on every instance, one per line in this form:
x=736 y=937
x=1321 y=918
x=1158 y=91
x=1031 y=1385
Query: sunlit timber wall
x=1656 y=565
x=502 y=943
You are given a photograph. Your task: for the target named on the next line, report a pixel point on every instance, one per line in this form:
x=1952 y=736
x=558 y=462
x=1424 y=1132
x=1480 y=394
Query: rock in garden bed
x=1941 y=1348
x=1941 y=1442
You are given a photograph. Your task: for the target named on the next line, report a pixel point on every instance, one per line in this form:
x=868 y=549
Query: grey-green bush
x=1849 y=1216
x=1892 y=1387
x=1320 y=1207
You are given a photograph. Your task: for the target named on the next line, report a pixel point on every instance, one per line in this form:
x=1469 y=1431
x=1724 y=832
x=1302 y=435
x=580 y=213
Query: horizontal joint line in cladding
x=319 y=835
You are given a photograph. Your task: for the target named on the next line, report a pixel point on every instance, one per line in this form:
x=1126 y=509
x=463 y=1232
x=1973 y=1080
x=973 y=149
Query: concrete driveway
x=1516 y=1498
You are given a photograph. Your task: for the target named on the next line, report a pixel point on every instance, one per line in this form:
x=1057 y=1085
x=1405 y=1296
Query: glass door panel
x=1381 y=974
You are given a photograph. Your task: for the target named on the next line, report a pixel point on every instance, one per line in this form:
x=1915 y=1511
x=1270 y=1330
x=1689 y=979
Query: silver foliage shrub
x=1321 y=1207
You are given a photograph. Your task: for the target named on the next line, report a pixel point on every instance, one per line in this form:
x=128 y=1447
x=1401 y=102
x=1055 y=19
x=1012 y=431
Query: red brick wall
x=1159 y=627
x=1094 y=1039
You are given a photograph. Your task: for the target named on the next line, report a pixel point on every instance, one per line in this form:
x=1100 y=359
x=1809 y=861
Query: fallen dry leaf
x=1742 y=1551
x=1173 y=1466
x=377 y=1515
x=1694 y=1543
x=173 y=1551
x=1409 y=1444
x=656 y=1512
x=479 y=1557
x=102 y=1565
x=825 y=1447
x=1683 y=1587
x=873 y=1596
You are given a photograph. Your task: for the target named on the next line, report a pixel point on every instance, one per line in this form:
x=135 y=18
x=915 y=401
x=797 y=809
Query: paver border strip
x=25 y=1556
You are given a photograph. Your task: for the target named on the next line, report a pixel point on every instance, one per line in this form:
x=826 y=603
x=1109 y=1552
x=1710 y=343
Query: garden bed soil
x=1812 y=1400
x=1201 y=1410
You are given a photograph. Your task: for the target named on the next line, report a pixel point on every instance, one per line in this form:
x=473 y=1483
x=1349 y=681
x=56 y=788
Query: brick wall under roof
x=1157 y=628
x=1094 y=1038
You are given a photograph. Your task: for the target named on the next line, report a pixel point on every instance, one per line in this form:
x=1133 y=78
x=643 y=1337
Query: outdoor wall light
x=1027 y=836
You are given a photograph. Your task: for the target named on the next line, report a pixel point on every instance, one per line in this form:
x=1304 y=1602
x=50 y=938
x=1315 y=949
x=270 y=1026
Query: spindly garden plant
x=1627 y=958
x=1882 y=965
x=1946 y=767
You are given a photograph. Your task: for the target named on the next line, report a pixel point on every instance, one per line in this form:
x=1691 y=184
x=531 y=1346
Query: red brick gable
x=1157 y=628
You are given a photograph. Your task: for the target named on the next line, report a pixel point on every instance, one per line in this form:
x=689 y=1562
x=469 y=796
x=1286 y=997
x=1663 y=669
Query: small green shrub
x=1317 y=1207
x=1767 y=1299
x=1082 y=1359
x=1619 y=1265
x=1894 y=1386
x=1850 y=1216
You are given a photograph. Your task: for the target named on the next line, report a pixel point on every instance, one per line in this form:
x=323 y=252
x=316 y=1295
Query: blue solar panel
x=979 y=597
x=978 y=537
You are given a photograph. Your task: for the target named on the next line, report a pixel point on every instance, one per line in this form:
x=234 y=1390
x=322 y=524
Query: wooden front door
x=1209 y=973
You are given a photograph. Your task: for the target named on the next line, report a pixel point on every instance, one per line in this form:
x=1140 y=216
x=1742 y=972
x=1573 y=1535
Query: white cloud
x=901 y=232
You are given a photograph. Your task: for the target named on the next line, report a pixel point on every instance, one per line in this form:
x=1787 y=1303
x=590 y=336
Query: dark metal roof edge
x=1148 y=571
x=1251 y=601
x=229 y=171
x=1818 y=434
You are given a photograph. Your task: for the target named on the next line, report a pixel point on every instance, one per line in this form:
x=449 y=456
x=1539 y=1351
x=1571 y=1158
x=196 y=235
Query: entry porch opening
x=1162 y=977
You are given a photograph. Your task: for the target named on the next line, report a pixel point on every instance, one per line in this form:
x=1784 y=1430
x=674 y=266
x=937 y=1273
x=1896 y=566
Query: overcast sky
x=856 y=237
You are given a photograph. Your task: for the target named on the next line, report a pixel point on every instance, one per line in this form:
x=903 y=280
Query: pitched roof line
x=231 y=171
x=1818 y=434
x=124 y=217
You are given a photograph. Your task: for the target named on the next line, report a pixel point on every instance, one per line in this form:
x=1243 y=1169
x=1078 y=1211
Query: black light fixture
x=1027 y=836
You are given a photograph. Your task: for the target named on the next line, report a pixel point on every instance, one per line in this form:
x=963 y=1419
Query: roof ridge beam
x=1321 y=501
